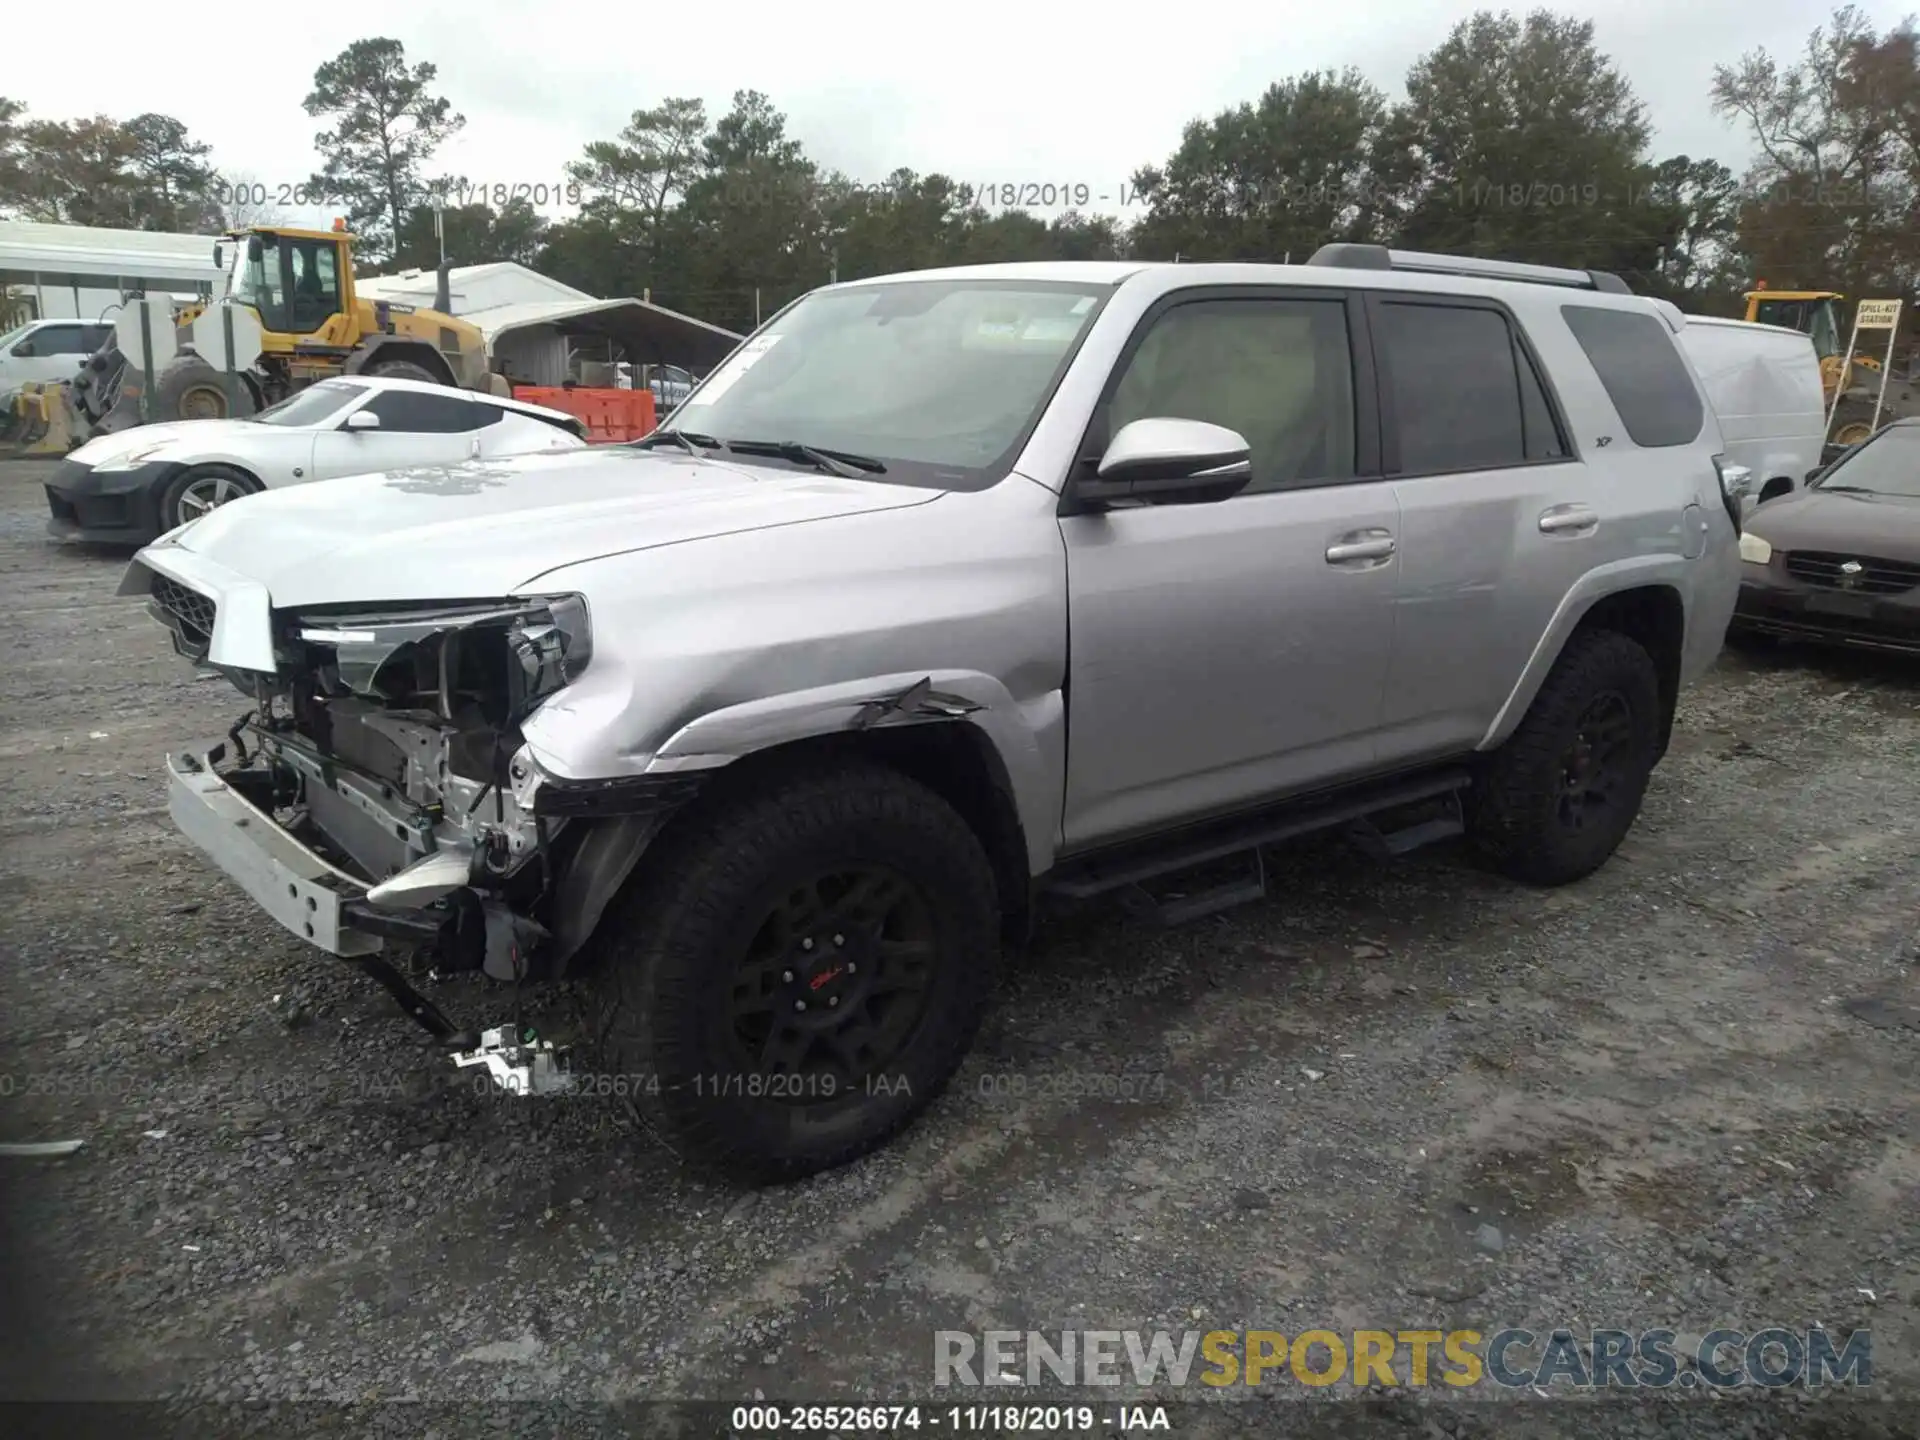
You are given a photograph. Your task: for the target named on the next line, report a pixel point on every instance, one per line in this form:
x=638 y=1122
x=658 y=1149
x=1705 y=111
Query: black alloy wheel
x=837 y=978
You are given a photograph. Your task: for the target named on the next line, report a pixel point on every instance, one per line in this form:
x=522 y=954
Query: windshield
x=1790 y=313
x=313 y=405
x=937 y=379
x=1814 y=318
x=1888 y=464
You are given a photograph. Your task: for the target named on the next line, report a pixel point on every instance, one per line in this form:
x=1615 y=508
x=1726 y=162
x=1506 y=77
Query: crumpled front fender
x=1028 y=736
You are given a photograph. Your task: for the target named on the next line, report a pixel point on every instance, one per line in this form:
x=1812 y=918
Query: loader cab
x=1814 y=313
x=299 y=282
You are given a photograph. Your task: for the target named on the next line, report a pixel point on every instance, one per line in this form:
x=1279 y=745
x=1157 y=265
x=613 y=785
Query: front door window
x=261 y=282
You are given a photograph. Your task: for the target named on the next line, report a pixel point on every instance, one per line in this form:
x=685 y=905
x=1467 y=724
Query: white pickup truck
x=47 y=350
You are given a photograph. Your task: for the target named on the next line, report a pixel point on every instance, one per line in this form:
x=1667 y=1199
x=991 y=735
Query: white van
x=1764 y=382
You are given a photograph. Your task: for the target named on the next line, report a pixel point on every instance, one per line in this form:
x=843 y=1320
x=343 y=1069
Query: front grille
x=1860 y=573
x=1837 y=629
x=187 y=611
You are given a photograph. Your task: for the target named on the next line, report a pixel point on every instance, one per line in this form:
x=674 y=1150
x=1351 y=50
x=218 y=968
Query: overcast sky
x=1002 y=90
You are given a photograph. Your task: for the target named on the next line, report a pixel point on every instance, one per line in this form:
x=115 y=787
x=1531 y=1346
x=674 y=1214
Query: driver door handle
x=1360 y=545
x=1568 y=519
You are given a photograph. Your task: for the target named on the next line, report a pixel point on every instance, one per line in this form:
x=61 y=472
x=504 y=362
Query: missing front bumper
x=327 y=907
x=303 y=891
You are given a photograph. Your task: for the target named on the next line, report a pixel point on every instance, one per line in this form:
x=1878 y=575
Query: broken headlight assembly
x=505 y=655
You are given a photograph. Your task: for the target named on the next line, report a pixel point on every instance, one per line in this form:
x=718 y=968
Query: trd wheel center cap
x=828 y=972
x=1579 y=765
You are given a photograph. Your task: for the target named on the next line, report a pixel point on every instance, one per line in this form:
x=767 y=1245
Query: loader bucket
x=59 y=437
x=38 y=424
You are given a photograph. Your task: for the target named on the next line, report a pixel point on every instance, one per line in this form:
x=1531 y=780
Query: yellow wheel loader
x=1817 y=314
x=289 y=316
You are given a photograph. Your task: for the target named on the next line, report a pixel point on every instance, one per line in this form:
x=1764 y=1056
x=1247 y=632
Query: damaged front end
x=380 y=792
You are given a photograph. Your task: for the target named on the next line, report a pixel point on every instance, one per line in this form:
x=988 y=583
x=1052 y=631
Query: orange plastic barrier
x=611 y=416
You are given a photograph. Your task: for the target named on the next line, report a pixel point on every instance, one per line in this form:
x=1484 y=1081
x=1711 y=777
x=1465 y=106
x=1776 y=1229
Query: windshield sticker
x=1051 y=327
x=1023 y=331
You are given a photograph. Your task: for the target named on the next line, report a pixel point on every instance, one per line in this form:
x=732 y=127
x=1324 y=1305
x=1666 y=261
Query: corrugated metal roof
x=27 y=246
x=548 y=312
x=666 y=333
x=474 y=288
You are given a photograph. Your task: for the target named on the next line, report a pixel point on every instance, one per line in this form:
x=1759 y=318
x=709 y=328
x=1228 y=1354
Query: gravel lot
x=1680 y=1094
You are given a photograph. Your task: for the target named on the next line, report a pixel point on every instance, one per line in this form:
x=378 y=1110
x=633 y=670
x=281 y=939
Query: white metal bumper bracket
x=286 y=879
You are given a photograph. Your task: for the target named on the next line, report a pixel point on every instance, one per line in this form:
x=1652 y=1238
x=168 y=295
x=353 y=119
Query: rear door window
x=1452 y=381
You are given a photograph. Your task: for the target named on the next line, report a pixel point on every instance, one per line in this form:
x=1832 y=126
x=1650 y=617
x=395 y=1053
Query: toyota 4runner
x=948 y=591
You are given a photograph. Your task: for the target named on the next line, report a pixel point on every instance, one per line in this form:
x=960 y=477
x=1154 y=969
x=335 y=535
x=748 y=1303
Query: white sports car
x=130 y=487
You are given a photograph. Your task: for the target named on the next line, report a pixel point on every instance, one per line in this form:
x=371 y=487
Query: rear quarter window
x=1642 y=371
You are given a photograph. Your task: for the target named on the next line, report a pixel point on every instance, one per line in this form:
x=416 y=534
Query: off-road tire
x=199 y=476
x=402 y=370
x=670 y=948
x=191 y=389
x=1515 y=815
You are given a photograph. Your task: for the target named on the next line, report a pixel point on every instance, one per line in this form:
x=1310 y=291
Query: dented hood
x=492 y=528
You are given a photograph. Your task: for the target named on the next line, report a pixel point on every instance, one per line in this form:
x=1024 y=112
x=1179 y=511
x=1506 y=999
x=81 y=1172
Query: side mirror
x=363 y=420
x=256 y=249
x=1169 y=462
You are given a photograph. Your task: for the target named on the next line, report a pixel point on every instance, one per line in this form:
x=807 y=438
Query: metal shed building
x=537 y=328
x=60 y=272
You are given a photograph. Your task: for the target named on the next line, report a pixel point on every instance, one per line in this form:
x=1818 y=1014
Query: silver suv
x=946 y=593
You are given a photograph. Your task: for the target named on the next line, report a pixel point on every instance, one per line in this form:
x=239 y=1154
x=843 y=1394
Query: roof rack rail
x=1350 y=256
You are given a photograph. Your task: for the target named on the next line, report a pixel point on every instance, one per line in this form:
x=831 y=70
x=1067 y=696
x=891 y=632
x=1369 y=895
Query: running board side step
x=1357 y=812
x=1387 y=844
x=1143 y=904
